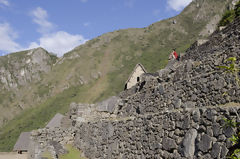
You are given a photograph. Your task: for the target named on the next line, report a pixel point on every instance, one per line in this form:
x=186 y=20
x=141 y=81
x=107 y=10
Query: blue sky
x=61 y=25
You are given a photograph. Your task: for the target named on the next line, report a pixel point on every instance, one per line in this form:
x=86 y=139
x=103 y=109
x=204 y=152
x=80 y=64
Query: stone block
x=205 y=143
x=168 y=144
x=108 y=105
x=189 y=143
x=216 y=149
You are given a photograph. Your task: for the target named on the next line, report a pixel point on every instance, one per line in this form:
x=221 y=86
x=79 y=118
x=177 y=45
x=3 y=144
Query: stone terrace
x=177 y=114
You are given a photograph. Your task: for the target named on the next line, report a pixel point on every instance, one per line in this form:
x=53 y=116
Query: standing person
x=174 y=55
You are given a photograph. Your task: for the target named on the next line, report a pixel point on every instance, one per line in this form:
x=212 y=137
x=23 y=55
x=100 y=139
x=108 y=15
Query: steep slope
x=99 y=68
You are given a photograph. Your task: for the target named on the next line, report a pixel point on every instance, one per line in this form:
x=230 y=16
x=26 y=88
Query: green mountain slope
x=99 y=68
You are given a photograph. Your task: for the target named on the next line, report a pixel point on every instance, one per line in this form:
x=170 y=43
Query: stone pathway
x=12 y=155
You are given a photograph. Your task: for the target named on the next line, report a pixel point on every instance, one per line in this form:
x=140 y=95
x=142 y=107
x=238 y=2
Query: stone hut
x=22 y=144
x=134 y=78
x=55 y=121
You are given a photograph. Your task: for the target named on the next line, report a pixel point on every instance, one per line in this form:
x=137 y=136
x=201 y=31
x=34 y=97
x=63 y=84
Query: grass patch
x=47 y=154
x=73 y=153
x=43 y=90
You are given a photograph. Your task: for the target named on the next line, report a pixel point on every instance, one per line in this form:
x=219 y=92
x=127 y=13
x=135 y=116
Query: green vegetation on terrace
x=230 y=15
x=47 y=155
x=73 y=153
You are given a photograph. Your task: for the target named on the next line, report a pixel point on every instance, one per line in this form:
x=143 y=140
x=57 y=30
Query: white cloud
x=59 y=42
x=4 y=2
x=8 y=35
x=177 y=5
x=40 y=17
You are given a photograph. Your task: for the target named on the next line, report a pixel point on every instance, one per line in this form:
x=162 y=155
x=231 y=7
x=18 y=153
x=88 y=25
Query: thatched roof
x=137 y=65
x=22 y=142
x=55 y=121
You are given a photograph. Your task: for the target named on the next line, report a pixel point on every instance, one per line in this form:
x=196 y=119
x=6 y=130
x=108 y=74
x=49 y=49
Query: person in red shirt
x=174 y=55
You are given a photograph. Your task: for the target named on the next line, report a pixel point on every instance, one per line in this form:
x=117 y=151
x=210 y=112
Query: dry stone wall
x=177 y=113
x=51 y=140
x=194 y=133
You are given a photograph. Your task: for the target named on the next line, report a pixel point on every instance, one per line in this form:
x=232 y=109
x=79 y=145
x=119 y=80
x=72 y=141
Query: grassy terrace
x=73 y=153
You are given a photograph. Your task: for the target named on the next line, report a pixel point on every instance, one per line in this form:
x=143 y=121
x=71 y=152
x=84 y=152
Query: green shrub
x=227 y=18
x=230 y=15
x=232 y=68
x=237 y=9
x=234 y=151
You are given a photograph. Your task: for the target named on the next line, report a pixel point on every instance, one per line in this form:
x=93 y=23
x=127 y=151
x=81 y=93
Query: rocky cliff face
x=176 y=113
x=17 y=72
x=19 y=69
